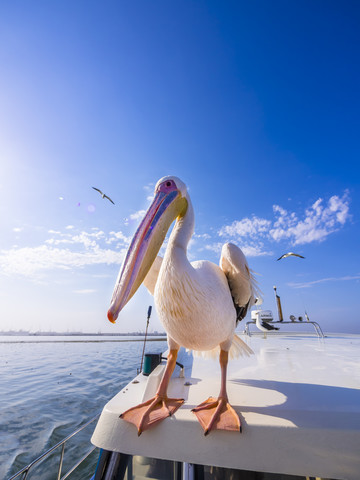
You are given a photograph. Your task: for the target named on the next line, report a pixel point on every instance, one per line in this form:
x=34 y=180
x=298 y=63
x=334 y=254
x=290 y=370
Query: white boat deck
x=298 y=399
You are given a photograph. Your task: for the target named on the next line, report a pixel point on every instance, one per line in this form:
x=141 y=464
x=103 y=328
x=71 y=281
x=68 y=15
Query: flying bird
x=265 y=326
x=198 y=303
x=290 y=254
x=103 y=194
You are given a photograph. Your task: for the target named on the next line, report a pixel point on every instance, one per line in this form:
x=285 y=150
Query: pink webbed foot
x=151 y=412
x=217 y=414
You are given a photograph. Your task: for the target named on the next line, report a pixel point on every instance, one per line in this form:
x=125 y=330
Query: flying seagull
x=264 y=326
x=289 y=255
x=198 y=303
x=103 y=194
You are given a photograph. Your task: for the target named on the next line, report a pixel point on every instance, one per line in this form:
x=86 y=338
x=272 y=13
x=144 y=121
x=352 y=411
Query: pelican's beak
x=167 y=205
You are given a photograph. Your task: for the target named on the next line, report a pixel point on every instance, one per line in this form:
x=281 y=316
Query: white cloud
x=339 y=207
x=214 y=247
x=30 y=262
x=85 y=291
x=71 y=249
x=255 y=250
x=318 y=221
x=245 y=227
x=64 y=251
x=118 y=236
x=323 y=280
x=88 y=240
x=137 y=215
x=149 y=187
x=204 y=236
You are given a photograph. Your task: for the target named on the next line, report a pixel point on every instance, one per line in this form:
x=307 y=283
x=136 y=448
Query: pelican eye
x=168 y=184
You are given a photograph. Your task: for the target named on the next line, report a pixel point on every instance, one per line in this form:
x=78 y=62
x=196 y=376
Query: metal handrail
x=316 y=326
x=25 y=470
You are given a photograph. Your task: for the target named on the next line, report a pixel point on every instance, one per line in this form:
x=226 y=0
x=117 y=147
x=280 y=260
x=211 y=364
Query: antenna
x=278 y=303
x=147 y=325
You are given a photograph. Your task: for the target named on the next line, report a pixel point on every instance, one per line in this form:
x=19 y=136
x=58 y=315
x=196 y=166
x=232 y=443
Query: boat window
x=218 y=473
x=140 y=468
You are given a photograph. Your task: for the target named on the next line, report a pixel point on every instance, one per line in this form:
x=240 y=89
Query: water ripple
x=49 y=389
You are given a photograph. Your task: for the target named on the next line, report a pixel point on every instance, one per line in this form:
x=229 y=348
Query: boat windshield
x=140 y=468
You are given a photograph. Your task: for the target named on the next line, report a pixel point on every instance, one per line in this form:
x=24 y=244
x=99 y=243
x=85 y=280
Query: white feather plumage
x=195 y=300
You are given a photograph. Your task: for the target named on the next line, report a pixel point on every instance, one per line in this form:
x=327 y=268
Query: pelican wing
x=97 y=190
x=242 y=283
x=152 y=275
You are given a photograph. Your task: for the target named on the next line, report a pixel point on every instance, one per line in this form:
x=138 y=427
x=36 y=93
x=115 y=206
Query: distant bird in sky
x=103 y=194
x=289 y=255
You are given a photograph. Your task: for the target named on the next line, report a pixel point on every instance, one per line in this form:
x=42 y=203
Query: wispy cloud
x=85 y=291
x=323 y=280
x=315 y=225
x=64 y=251
x=318 y=222
x=72 y=249
x=256 y=250
x=246 y=227
x=137 y=215
x=119 y=237
x=149 y=189
x=34 y=261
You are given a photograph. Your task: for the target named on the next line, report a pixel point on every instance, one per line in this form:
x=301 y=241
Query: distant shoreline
x=79 y=334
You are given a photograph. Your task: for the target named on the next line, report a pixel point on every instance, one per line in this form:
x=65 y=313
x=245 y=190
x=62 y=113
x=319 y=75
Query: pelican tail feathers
x=238 y=349
x=257 y=293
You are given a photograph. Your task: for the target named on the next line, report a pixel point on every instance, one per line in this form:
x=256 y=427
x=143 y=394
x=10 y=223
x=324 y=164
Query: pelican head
x=169 y=203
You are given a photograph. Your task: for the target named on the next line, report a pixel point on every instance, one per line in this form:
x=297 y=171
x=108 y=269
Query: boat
x=298 y=399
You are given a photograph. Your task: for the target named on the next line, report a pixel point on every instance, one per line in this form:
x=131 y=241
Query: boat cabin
x=298 y=399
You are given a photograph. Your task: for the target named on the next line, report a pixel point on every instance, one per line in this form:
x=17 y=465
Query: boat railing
x=23 y=473
x=316 y=326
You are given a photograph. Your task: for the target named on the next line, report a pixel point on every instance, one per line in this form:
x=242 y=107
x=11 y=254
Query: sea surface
x=50 y=386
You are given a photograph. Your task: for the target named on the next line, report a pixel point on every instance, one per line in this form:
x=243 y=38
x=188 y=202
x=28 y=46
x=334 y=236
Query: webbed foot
x=151 y=412
x=217 y=414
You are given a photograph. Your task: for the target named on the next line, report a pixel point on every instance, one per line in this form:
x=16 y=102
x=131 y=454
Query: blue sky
x=254 y=105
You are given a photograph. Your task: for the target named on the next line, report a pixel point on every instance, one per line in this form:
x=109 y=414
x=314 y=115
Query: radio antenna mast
x=278 y=303
x=147 y=326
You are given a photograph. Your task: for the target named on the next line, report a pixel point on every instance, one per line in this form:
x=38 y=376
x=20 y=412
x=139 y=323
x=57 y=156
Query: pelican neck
x=183 y=229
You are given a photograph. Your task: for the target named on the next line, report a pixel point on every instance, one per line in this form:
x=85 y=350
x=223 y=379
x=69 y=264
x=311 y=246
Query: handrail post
x=25 y=471
x=61 y=461
x=247 y=330
x=26 y=474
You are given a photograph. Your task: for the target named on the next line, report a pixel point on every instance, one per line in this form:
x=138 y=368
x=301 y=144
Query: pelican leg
x=155 y=409
x=218 y=414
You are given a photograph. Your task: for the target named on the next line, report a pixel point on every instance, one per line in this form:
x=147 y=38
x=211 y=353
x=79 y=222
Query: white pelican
x=103 y=194
x=198 y=303
x=290 y=254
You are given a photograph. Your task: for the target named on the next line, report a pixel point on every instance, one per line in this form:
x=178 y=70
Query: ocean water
x=52 y=385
